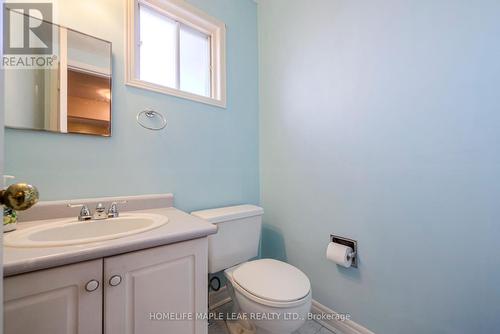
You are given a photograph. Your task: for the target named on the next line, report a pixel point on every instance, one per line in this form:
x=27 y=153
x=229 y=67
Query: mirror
x=72 y=96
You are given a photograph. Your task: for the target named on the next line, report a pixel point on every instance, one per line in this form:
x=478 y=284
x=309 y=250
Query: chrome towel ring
x=151 y=115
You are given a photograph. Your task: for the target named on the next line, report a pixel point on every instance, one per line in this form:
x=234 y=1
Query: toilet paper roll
x=339 y=254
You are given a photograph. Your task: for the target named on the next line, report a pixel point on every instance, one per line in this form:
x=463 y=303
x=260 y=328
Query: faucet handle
x=113 y=209
x=84 y=212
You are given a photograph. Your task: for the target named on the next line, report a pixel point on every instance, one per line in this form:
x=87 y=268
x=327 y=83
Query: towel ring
x=150 y=114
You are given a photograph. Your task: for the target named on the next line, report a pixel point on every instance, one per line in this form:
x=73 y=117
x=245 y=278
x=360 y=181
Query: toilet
x=271 y=296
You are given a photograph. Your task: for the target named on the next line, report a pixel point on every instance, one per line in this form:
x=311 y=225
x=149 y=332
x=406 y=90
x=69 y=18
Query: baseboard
x=325 y=316
x=218 y=298
x=338 y=326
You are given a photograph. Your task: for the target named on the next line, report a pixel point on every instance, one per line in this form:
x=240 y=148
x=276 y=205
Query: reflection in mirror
x=74 y=96
x=88 y=103
x=89 y=85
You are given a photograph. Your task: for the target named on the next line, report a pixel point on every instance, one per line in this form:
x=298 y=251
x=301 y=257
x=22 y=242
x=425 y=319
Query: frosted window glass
x=158 y=48
x=194 y=61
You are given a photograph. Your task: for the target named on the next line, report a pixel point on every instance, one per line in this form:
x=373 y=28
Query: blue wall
x=380 y=121
x=207 y=156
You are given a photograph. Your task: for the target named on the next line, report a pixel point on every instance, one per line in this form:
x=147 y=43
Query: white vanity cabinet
x=55 y=301
x=151 y=291
x=154 y=284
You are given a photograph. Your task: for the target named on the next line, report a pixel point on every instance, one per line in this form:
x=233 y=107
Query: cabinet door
x=55 y=301
x=157 y=284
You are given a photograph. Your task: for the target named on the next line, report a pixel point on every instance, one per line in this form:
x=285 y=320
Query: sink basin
x=73 y=232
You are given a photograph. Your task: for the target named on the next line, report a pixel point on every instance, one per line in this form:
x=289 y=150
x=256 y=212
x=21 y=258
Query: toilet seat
x=271 y=282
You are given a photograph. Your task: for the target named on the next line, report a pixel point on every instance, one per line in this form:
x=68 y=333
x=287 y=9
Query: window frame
x=181 y=11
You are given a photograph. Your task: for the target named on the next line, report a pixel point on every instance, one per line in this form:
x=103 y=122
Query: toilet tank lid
x=220 y=215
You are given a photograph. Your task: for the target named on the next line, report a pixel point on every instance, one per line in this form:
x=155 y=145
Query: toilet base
x=245 y=327
x=241 y=304
x=240 y=327
x=280 y=325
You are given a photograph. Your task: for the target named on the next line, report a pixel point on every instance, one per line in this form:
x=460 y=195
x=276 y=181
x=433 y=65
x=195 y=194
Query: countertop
x=181 y=227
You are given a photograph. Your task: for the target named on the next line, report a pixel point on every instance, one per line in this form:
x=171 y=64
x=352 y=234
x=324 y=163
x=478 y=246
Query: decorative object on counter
x=19 y=196
x=9 y=220
x=9 y=215
x=151 y=116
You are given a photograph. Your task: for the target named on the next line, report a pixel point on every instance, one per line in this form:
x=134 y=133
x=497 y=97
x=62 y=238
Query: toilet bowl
x=270 y=296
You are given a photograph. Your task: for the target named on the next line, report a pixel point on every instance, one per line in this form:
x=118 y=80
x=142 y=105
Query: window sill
x=177 y=93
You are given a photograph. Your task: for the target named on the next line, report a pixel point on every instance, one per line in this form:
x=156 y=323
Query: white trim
x=189 y=15
x=337 y=326
x=178 y=54
x=88 y=68
x=63 y=80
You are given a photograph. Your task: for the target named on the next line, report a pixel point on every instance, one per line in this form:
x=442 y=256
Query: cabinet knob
x=115 y=280
x=91 y=285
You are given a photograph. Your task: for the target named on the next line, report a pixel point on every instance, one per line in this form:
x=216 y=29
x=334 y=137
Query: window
x=174 y=48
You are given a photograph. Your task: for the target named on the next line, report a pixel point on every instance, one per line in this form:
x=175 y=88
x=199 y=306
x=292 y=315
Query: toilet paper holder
x=350 y=243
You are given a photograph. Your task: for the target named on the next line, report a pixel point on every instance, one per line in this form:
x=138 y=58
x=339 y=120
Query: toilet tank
x=237 y=238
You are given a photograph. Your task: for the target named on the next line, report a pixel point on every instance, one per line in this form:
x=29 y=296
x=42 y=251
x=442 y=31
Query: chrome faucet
x=84 y=212
x=113 y=209
x=100 y=212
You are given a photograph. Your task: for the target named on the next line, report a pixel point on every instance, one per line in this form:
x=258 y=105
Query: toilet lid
x=272 y=280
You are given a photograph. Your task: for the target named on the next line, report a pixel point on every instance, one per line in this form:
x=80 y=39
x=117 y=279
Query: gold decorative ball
x=20 y=196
